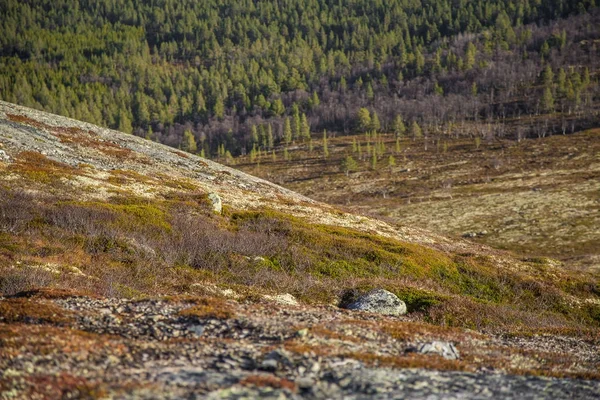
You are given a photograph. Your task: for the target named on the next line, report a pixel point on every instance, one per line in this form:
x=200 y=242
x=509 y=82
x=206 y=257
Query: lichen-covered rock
x=283 y=299
x=444 y=349
x=380 y=301
x=216 y=202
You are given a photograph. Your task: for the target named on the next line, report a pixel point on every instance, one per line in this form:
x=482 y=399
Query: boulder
x=216 y=202
x=283 y=299
x=444 y=349
x=4 y=156
x=379 y=301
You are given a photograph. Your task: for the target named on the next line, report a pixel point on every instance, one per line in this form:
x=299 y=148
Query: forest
x=230 y=76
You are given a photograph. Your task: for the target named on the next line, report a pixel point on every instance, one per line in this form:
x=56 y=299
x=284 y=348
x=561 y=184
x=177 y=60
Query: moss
x=418 y=300
x=38 y=168
x=132 y=213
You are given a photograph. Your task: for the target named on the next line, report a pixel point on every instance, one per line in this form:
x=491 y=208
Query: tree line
x=233 y=76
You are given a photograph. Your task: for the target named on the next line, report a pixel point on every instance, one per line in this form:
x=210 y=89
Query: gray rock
x=216 y=202
x=4 y=156
x=380 y=301
x=444 y=349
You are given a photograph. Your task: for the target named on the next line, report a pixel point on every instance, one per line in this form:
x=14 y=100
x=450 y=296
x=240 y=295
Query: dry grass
x=534 y=197
x=209 y=308
x=27 y=311
x=269 y=381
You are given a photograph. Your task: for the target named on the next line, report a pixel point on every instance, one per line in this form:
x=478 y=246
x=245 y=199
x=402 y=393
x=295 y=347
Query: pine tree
x=297 y=133
x=219 y=108
x=548 y=76
x=391 y=161
x=277 y=107
x=354 y=146
x=305 y=127
x=287 y=131
x=548 y=101
x=364 y=119
x=375 y=124
x=188 y=142
x=325 y=147
x=124 y=122
x=254 y=135
x=415 y=130
x=270 y=140
x=370 y=93
x=470 y=55
x=314 y=100
x=398 y=126
x=349 y=165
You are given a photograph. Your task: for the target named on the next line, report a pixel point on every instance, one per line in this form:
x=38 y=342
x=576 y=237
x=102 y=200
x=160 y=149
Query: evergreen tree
x=470 y=55
x=124 y=122
x=304 y=127
x=364 y=119
x=415 y=130
x=188 y=142
x=287 y=131
x=398 y=126
x=349 y=164
x=270 y=139
x=277 y=107
x=548 y=100
x=375 y=124
x=391 y=161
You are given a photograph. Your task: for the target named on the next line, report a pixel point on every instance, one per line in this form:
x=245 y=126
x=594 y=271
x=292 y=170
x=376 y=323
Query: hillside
x=231 y=75
x=120 y=280
x=538 y=197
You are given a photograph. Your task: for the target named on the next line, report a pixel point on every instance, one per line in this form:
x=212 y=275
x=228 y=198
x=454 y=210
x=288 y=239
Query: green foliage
x=548 y=100
x=415 y=130
x=363 y=119
x=349 y=164
x=398 y=126
x=189 y=142
x=287 y=131
x=139 y=66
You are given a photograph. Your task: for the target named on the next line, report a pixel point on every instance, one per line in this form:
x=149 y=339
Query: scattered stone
x=4 y=156
x=380 y=301
x=283 y=299
x=302 y=333
x=217 y=204
x=444 y=349
x=269 y=365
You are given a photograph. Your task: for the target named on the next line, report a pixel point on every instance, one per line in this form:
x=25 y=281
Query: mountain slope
x=111 y=254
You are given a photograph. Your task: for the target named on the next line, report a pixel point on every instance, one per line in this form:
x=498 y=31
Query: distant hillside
x=231 y=73
x=537 y=196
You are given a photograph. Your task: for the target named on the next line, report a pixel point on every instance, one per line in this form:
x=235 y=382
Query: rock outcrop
x=380 y=301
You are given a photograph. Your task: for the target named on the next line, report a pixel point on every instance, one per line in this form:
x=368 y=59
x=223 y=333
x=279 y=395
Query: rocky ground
x=56 y=344
x=228 y=342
